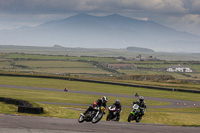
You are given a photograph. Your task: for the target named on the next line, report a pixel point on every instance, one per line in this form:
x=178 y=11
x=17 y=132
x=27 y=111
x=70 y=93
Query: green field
x=94 y=68
x=60 y=67
x=190 y=76
x=52 y=66
x=59 y=57
x=75 y=85
x=58 y=64
x=182 y=116
x=91 y=65
x=99 y=52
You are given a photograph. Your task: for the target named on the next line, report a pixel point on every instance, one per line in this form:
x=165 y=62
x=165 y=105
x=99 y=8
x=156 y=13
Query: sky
x=182 y=15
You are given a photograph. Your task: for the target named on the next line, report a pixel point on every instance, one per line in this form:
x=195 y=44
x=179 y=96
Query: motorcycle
x=93 y=116
x=135 y=114
x=112 y=115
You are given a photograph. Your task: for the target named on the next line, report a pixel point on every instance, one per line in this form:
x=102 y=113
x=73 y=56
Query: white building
x=179 y=68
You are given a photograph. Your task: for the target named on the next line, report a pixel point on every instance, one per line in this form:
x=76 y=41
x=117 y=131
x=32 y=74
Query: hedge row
x=23 y=106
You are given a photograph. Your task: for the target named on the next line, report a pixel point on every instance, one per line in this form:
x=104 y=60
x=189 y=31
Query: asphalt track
x=28 y=124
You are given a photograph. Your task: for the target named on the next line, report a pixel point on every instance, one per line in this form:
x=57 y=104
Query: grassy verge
x=186 y=116
x=95 y=87
x=151 y=116
x=7 y=108
x=62 y=97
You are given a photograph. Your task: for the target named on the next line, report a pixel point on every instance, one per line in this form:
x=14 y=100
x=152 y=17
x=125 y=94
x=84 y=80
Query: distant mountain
x=112 y=31
x=58 y=46
x=137 y=49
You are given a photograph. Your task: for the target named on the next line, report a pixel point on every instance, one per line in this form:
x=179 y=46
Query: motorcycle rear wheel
x=138 y=119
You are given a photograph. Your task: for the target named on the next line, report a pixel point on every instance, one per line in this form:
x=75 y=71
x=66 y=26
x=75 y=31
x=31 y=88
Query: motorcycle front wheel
x=108 y=117
x=97 y=118
x=81 y=119
x=130 y=117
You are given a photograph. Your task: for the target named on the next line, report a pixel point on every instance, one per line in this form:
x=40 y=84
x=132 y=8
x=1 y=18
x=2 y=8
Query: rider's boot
x=82 y=114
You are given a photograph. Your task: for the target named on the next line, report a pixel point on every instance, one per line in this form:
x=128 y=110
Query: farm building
x=149 y=58
x=121 y=58
x=179 y=68
x=122 y=66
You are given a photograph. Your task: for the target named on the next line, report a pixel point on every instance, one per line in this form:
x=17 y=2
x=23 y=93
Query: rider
x=117 y=104
x=142 y=104
x=97 y=103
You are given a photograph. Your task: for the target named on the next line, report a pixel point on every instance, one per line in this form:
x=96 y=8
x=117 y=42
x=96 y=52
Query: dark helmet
x=104 y=99
x=141 y=98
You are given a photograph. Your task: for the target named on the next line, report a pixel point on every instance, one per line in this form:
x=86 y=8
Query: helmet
x=104 y=99
x=117 y=101
x=141 y=98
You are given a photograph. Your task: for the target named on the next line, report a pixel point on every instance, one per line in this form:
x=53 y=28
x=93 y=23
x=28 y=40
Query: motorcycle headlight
x=96 y=108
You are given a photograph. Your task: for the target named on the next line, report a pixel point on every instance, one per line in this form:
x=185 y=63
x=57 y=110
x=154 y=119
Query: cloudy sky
x=179 y=14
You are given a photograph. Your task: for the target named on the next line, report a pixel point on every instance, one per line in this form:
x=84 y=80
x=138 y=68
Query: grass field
x=182 y=116
x=59 y=57
x=167 y=83
x=95 y=87
x=71 y=71
x=55 y=63
x=105 y=53
x=90 y=66
x=84 y=65
x=61 y=67
x=5 y=65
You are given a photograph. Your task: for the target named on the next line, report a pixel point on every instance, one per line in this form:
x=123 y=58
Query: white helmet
x=104 y=99
x=141 y=98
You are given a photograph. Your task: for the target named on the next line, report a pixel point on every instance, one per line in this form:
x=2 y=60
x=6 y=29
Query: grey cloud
x=196 y=7
x=53 y=6
x=37 y=6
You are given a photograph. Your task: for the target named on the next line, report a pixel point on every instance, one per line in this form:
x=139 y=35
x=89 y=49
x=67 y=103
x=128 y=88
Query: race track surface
x=28 y=124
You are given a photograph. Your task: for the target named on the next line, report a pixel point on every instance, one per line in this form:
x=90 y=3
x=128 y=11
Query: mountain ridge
x=112 y=31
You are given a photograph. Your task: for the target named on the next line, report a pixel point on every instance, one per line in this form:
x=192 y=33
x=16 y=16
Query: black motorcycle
x=93 y=116
x=112 y=115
